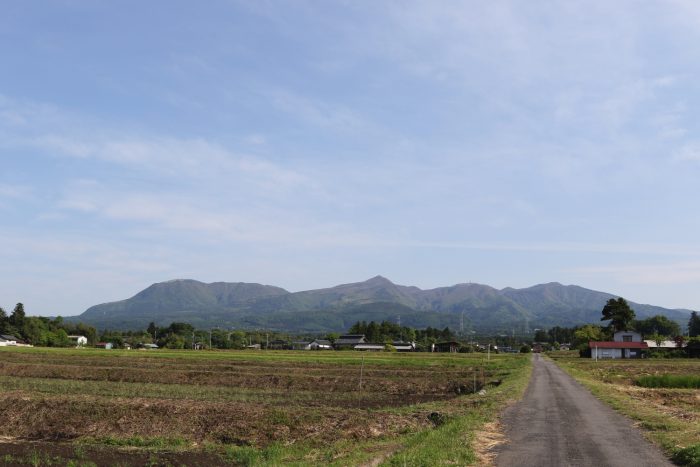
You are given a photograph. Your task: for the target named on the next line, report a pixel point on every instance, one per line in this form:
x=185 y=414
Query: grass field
x=670 y=416
x=246 y=407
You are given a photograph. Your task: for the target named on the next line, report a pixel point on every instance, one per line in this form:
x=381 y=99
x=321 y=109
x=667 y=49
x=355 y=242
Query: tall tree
x=17 y=316
x=3 y=320
x=694 y=324
x=152 y=329
x=619 y=313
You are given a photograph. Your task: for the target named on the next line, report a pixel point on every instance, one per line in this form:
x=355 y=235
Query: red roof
x=618 y=345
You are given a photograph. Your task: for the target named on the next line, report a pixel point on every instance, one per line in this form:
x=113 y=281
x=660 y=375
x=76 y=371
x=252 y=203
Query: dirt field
x=182 y=407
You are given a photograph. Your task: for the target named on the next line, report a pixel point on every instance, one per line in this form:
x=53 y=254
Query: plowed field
x=227 y=402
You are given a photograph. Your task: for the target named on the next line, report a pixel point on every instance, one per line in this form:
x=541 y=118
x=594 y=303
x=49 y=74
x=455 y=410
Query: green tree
x=541 y=336
x=17 y=317
x=657 y=338
x=173 y=341
x=58 y=339
x=694 y=324
x=4 y=321
x=619 y=313
x=658 y=324
x=585 y=334
x=152 y=329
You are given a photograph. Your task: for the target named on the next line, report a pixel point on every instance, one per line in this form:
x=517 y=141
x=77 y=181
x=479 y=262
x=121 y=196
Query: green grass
x=669 y=381
x=452 y=442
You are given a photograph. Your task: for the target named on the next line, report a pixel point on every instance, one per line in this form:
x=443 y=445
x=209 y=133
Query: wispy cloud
x=684 y=272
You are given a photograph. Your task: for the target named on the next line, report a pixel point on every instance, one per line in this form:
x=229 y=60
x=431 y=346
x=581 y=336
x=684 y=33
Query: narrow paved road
x=560 y=423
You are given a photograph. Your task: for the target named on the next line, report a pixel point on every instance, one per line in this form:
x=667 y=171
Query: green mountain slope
x=476 y=307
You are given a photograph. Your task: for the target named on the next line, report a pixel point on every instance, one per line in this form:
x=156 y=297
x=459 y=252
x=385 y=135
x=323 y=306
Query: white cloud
x=688 y=152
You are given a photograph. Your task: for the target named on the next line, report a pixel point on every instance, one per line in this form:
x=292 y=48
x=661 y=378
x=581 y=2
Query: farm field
x=97 y=407
x=670 y=416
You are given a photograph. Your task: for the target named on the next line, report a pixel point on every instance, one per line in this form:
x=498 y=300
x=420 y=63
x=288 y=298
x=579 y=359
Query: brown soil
x=23 y=453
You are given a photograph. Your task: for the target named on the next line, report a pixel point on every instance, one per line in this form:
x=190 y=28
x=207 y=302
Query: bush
x=525 y=349
x=689 y=456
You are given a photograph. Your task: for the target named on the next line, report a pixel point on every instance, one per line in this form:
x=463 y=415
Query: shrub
x=689 y=456
x=525 y=349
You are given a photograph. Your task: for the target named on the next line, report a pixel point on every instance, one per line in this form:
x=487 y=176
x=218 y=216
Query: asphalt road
x=560 y=423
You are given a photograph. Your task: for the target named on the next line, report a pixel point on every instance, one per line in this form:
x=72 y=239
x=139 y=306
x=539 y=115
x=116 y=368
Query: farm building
x=79 y=341
x=279 y=344
x=449 y=346
x=370 y=347
x=316 y=344
x=625 y=344
x=349 y=341
x=404 y=346
x=664 y=344
x=7 y=342
x=104 y=345
x=10 y=338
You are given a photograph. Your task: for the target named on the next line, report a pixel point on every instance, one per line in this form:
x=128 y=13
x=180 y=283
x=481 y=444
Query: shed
x=349 y=341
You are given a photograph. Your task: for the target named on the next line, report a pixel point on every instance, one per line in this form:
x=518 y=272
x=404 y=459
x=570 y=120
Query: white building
x=625 y=344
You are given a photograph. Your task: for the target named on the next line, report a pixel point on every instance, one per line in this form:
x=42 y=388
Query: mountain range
x=468 y=307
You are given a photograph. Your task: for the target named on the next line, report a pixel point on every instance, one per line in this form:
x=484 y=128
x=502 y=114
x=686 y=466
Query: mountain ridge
x=467 y=306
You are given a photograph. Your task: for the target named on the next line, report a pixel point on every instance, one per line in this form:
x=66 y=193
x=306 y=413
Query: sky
x=306 y=144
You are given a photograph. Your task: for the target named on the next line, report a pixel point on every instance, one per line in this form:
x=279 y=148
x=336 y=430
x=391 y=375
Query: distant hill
x=244 y=305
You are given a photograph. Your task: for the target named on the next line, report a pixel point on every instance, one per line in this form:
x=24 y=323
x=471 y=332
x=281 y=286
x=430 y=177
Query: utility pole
x=209 y=338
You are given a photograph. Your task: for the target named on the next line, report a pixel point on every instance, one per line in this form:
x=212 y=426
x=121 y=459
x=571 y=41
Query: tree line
x=40 y=331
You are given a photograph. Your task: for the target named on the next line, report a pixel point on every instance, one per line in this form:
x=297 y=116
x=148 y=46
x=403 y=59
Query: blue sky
x=309 y=143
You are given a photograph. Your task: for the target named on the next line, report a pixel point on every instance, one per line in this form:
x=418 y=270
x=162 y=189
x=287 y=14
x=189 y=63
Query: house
x=253 y=346
x=7 y=342
x=370 y=347
x=79 y=341
x=349 y=341
x=320 y=344
x=11 y=340
x=625 y=344
x=149 y=346
x=566 y=346
x=104 y=345
x=538 y=347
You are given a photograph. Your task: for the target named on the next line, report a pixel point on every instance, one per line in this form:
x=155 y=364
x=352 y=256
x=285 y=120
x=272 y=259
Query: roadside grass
x=669 y=416
x=453 y=441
